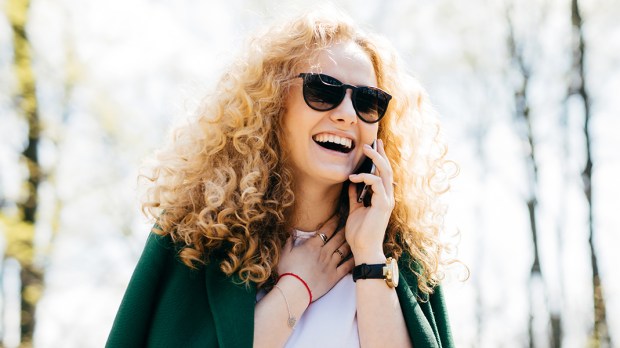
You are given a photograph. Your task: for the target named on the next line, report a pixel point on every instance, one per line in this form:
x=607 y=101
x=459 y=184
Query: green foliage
x=17 y=11
x=19 y=237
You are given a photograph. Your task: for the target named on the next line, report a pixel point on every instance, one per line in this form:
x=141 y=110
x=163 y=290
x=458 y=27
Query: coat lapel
x=232 y=304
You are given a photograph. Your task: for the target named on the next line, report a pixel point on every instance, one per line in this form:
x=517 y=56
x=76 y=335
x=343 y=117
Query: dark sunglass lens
x=322 y=92
x=370 y=103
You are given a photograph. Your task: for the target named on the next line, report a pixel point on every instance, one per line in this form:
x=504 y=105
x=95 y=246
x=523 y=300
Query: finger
x=381 y=150
x=337 y=256
x=327 y=229
x=336 y=241
x=346 y=267
x=345 y=248
x=375 y=182
x=387 y=176
x=321 y=238
x=380 y=160
x=341 y=253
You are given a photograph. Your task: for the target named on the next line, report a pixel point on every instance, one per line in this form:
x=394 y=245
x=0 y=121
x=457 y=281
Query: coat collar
x=232 y=304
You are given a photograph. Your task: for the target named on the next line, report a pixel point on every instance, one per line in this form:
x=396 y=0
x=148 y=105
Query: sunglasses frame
x=344 y=87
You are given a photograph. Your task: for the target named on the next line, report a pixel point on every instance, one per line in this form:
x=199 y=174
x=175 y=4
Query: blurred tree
x=20 y=227
x=577 y=87
x=479 y=135
x=523 y=117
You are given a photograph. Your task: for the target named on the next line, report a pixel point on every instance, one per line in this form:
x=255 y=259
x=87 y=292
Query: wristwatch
x=387 y=271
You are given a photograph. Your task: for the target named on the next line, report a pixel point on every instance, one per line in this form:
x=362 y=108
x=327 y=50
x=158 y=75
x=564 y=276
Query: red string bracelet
x=301 y=280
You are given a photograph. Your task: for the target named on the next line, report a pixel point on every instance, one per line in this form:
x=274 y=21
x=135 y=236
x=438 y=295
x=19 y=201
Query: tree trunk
x=524 y=120
x=31 y=275
x=600 y=334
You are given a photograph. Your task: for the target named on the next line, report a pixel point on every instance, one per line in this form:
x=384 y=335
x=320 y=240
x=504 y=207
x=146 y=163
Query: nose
x=345 y=112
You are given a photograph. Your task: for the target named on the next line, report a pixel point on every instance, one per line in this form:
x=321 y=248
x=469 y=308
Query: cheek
x=294 y=100
x=292 y=139
x=290 y=120
x=369 y=132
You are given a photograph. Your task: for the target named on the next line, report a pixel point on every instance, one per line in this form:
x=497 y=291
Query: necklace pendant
x=291 y=322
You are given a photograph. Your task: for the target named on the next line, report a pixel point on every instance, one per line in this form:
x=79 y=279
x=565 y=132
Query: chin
x=335 y=178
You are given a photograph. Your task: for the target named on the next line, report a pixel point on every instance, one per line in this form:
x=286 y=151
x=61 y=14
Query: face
x=309 y=132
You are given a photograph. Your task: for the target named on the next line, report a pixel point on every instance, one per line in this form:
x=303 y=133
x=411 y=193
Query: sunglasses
x=323 y=93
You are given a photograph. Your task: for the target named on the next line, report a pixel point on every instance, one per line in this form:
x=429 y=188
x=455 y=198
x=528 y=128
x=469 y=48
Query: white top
x=330 y=321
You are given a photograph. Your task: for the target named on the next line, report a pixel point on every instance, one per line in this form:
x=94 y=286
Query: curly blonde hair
x=221 y=185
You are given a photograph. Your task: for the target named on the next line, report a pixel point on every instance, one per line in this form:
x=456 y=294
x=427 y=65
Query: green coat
x=169 y=305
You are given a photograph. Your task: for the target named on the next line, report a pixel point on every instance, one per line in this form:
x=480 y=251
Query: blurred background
x=528 y=92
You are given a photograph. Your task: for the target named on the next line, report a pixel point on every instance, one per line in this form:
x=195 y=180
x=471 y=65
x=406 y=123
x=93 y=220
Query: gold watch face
x=391 y=276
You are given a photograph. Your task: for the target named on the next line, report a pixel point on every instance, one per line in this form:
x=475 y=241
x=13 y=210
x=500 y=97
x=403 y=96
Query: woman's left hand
x=365 y=228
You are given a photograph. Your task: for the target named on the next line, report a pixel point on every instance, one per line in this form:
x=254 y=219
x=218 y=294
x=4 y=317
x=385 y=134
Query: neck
x=314 y=205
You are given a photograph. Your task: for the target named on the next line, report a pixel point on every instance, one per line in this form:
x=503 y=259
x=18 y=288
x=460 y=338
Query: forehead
x=347 y=62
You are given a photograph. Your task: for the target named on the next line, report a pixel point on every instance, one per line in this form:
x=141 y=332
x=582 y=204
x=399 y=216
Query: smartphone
x=364 y=192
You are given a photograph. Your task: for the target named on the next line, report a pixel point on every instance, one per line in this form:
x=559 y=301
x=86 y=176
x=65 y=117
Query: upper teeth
x=323 y=138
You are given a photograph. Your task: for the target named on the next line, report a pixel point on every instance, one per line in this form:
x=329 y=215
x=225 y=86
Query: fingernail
x=381 y=142
x=367 y=146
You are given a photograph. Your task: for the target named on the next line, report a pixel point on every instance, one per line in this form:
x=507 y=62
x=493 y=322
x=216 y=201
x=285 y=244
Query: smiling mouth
x=334 y=143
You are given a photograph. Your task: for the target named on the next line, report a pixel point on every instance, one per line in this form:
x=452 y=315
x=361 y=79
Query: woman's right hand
x=318 y=263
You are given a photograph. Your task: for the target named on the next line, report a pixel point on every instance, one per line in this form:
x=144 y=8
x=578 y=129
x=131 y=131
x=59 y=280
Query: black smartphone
x=364 y=192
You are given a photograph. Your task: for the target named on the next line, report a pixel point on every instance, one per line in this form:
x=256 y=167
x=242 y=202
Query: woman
x=261 y=237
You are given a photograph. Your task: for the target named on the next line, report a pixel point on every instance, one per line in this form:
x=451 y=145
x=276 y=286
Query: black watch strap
x=365 y=271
